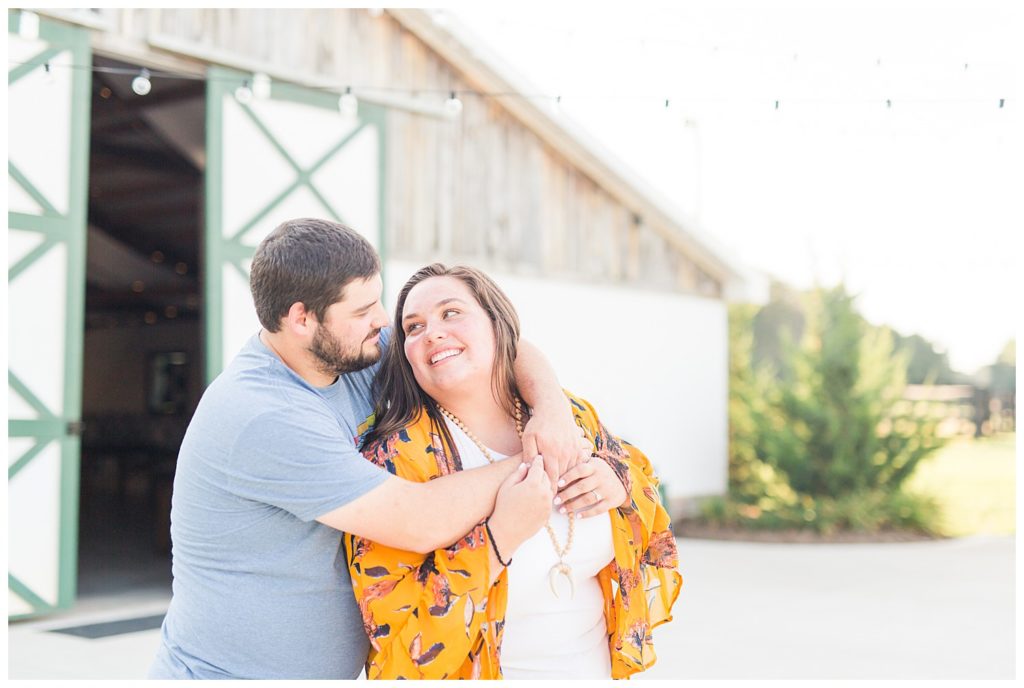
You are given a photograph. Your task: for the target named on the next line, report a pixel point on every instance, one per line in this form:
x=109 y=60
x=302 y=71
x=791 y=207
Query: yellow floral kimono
x=435 y=616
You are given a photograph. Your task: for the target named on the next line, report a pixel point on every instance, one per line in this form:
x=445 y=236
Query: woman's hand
x=590 y=488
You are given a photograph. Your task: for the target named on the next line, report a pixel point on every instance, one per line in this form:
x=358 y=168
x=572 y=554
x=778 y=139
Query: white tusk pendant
x=563 y=569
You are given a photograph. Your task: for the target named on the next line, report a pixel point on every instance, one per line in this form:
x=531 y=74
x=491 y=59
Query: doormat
x=109 y=628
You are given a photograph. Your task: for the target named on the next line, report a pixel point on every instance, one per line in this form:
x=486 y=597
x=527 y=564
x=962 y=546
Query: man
x=268 y=473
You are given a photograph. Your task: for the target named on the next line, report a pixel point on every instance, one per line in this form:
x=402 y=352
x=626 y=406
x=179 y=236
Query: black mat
x=109 y=628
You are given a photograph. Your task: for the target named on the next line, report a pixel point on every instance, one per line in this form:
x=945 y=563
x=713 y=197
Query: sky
x=915 y=203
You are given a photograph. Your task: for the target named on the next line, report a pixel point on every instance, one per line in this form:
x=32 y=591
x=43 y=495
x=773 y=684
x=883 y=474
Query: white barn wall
x=655 y=366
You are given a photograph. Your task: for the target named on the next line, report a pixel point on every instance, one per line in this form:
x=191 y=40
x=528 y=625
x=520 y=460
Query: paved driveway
x=932 y=610
x=783 y=611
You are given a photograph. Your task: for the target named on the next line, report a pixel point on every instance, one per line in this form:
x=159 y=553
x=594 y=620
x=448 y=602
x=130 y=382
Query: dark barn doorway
x=143 y=350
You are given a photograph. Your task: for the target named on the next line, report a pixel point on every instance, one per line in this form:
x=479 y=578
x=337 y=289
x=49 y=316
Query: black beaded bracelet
x=490 y=536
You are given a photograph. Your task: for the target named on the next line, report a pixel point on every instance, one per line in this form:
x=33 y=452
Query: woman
x=582 y=596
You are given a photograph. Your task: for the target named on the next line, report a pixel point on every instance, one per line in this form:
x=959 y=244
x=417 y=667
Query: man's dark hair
x=309 y=261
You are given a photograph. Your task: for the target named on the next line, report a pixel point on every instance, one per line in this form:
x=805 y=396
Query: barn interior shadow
x=143 y=347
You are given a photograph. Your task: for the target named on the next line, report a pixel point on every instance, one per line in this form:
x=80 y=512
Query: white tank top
x=547 y=636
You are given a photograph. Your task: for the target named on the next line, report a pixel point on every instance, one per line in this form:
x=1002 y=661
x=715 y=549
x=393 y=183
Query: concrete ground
x=933 y=610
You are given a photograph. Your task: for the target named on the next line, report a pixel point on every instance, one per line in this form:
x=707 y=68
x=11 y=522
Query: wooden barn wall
x=481 y=188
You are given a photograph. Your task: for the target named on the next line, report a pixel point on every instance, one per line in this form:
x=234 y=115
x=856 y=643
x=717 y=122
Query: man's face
x=347 y=339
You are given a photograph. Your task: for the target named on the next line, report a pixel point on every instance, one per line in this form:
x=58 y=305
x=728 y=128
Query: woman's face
x=449 y=338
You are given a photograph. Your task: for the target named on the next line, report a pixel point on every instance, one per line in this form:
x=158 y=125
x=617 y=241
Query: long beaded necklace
x=562 y=567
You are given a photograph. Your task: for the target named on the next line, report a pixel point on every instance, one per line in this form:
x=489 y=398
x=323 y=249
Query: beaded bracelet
x=490 y=536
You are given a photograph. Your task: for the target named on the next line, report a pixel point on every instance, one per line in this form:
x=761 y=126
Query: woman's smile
x=444 y=355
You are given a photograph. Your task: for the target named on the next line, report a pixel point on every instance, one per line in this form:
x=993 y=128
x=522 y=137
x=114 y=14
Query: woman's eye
x=412 y=327
x=450 y=310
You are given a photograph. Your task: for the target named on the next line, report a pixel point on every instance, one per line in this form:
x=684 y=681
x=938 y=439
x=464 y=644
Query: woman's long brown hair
x=398 y=397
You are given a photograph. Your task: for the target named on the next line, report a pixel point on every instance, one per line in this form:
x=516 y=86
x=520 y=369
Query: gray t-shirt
x=262 y=590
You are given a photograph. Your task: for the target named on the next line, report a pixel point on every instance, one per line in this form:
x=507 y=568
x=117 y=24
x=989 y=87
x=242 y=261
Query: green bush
x=822 y=439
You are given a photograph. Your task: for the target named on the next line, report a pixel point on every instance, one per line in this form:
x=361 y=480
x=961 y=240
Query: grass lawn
x=975 y=484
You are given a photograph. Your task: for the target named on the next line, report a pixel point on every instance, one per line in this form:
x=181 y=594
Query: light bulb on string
x=243 y=94
x=141 y=84
x=453 y=106
x=671 y=113
x=28 y=25
x=556 y=105
x=261 y=86
x=348 y=104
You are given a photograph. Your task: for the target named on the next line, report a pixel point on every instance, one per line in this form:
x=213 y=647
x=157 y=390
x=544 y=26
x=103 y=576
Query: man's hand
x=553 y=434
x=590 y=488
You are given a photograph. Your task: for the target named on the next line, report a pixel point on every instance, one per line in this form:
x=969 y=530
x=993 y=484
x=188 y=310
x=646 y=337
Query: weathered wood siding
x=481 y=188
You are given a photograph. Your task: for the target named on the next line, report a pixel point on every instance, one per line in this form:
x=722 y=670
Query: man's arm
x=552 y=432
x=423 y=517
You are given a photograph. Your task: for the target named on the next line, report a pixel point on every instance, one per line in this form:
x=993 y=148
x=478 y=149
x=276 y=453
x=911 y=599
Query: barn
x=150 y=150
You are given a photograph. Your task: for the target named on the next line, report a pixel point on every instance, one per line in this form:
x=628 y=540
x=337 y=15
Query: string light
x=261 y=82
x=453 y=106
x=556 y=105
x=261 y=86
x=348 y=104
x=28 y=26
x=243 y=94
x=141 y=84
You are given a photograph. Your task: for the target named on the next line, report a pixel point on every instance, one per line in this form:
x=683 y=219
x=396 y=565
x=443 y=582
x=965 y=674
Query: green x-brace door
x=287 y=154
x=48 y=88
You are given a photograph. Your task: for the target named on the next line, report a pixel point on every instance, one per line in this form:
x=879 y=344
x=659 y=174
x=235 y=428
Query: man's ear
x=299 y=321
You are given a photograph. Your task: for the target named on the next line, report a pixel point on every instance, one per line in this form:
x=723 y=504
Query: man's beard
x=332 y=359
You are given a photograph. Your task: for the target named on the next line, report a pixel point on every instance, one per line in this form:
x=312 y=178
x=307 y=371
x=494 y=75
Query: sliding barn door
x=48 y=97
x=276 y=156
